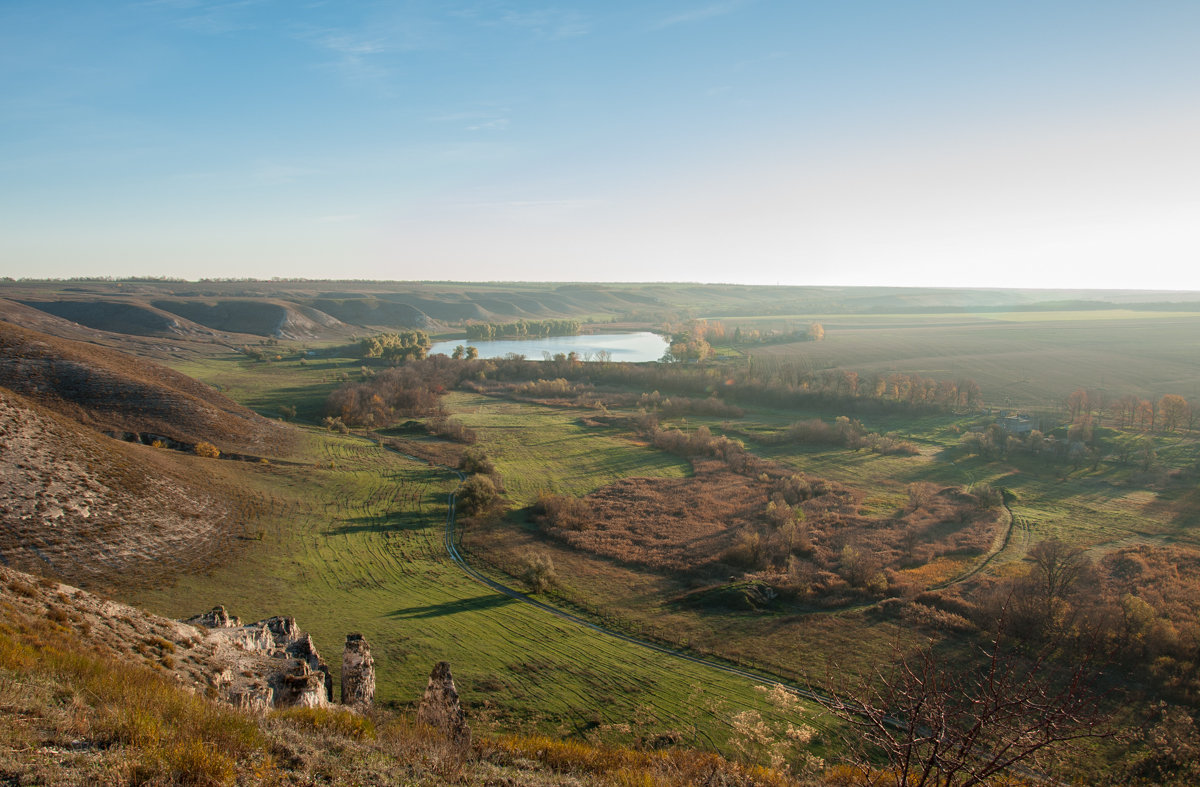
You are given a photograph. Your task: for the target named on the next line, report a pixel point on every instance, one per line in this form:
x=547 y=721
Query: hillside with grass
x=96 y=692
x=112 y=392
x=643 y=541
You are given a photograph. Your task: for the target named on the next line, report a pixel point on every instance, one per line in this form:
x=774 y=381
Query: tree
x=1173 y=411
x=1077 y=403
x=1057 y=568
x=477 y=495
x=1145 y=414
x=941 y=724
x=538 y=572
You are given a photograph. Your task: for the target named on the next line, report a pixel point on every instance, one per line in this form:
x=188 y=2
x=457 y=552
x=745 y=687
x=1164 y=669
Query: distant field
x=1019 y=359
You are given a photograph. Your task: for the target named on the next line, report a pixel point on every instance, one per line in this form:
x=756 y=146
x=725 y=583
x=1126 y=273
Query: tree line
x=396 y=347
x=1170 y=413
x=522 y=329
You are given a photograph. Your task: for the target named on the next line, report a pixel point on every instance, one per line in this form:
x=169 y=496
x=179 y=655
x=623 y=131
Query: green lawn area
x=538 y=448
x=353 y=543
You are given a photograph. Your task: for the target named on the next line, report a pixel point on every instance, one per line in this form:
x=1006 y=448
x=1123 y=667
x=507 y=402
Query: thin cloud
x=485 y=119
x=497 y=124
x=700 y=14
x=211 y=17
x=551 y=24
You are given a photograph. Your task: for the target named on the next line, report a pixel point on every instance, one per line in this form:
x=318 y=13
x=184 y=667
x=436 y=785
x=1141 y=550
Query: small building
x=1019 y=424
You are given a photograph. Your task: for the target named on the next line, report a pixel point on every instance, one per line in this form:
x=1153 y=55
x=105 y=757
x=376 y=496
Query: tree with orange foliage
x=1173 y=410
x=1077 y=403
x=1145 y=414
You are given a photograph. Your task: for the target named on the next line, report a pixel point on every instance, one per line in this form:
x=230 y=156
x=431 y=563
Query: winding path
x=517 y=595
x=457 y=557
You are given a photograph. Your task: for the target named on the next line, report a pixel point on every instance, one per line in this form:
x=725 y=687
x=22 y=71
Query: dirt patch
x=97 y=511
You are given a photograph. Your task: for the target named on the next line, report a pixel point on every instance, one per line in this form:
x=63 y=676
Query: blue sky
x=757 y=141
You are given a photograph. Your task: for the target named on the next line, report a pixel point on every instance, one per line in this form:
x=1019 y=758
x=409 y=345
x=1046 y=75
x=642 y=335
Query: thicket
x=766 y=382
x=396 y=347
x=843 y=431
x=383 y=399
x=522 y=329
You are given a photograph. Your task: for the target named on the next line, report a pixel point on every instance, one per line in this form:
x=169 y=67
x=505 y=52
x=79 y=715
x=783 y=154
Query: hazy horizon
x=926 y=144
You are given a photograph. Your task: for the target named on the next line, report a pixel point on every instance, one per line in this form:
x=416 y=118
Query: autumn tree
x=1145 y=414
x=1173 y=411
x=1057 y=568
x=1124 y=409
x=1077 y=403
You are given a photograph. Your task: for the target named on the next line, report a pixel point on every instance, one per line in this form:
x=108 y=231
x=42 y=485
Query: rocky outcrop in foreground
x=441 y=709
x=358 y=673
x=257 y=666
x=277 y=664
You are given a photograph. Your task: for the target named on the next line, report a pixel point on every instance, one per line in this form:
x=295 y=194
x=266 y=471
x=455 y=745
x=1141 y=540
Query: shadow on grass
x=374 y=524
x=476 y=604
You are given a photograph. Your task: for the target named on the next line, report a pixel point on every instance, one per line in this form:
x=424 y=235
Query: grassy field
x=1100 y=507
x=353 y=543
x=538 y=449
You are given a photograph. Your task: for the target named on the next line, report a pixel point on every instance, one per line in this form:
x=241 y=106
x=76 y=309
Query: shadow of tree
x=476 y=604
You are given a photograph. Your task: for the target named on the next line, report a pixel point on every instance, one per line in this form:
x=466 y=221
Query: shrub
x=538 y=572
x=564 y=511
x=207 y=450
x=477 y=495
x=338 y=721
x=476 y=461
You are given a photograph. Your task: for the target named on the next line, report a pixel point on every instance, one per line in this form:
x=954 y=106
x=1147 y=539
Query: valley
x=788 y=508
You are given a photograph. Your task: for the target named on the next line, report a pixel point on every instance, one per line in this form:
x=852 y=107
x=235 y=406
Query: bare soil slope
x=117 y=393
x=131 y=317
x=257 y=317
x=98 y=511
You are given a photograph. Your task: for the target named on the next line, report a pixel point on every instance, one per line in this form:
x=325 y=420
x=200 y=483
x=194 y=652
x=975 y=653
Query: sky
x=887 y=142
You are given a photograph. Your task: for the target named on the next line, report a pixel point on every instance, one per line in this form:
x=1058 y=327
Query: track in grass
x=358 y=545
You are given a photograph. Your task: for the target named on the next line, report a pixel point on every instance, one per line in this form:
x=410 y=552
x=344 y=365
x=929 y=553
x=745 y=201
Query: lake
x=642 y=346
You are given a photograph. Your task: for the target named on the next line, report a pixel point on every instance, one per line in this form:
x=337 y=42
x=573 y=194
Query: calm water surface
x=644 y=346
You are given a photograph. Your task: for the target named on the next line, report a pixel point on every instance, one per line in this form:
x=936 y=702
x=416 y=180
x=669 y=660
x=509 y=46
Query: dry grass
x=110 y=391
x=624 y=766
x=818 y=531
x=74 y=715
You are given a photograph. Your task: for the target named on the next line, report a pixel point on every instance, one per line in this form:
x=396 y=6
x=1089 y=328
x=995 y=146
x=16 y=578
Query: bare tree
x=953 y=725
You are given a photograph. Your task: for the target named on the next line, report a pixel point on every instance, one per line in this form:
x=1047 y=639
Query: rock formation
x=216 y=618
x=358 y=673
x=440 y=707
x=264 y=665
